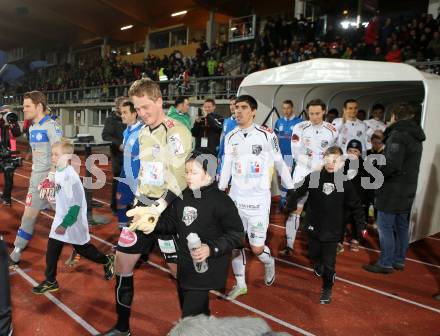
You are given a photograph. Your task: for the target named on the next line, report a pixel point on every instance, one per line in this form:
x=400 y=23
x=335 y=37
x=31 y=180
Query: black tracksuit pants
x=54 y=248
x=9 y=181
x=193 y=302
x=324 y=254
x=5 y=294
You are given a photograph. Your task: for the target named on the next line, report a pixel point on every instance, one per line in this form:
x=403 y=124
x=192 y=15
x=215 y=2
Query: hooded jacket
x=403 y=152
x=211 y=214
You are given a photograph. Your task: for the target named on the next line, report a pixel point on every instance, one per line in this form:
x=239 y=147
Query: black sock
x=124 y=296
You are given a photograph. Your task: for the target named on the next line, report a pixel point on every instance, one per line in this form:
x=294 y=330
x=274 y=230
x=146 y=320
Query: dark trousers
x=9 y=181
x=324 y=254
x=116 y=171
x=5 y=293
x=193 y=302
x=54 y=248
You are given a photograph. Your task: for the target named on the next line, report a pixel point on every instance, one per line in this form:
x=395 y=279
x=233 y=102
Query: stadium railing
x=198 y=88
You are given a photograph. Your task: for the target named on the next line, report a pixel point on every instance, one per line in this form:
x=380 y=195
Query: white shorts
x=256 y=228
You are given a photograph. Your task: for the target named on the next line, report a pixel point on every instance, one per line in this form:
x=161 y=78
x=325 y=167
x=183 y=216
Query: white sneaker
x=236 y=291
x=269 y=273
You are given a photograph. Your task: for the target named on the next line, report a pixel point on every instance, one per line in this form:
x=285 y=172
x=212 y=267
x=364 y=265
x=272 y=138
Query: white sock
x=292 y=225
x=265 y=257
x=239 y=267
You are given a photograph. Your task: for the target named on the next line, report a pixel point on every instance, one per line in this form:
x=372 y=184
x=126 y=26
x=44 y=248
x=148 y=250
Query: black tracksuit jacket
x=214 y=217
x=325 y=207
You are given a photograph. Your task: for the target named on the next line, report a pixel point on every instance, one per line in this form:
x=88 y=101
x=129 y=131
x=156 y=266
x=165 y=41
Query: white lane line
x=433 y=238
x=238 y=303
x=353 y=283
x=377 y=251
x=283 y=227
x=342 y=279
x=60 y=305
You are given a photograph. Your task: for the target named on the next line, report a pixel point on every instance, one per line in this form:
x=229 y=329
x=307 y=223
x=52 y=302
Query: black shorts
x=135 y=242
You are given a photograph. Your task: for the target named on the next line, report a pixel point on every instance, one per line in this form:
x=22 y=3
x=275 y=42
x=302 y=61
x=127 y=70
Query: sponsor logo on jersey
x=265 y=128
x=127 y=238
x=189 y=215
x=328 y=188
x=256 y=149
x=255 y=167
x=275 y=145
x=324 y=143
x=295 y=137
x=359 y=133
x=155 y=150
x=176 y=144
x=169 y=123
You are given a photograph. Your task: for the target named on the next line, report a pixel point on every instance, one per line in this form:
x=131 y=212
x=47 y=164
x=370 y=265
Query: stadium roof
x=63 y=22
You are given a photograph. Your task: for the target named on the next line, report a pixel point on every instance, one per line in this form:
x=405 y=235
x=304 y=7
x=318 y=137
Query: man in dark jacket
x=403 y=152
x=112 y=131
x=208 y=128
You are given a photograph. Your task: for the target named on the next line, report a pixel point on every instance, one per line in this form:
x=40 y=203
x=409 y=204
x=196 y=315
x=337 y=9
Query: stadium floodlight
x=127 y=27
x=179 y=13
x=233 y=28
x=345 y=12
x=128 y=53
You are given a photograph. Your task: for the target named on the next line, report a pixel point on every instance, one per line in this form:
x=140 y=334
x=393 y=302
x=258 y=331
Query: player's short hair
x=66 y=146
x=247 y=99
x=378 y=107
x=145 y=87
x=333 y=150
x=130 y=105
x=209 y=100
x=403 y=111
x=376 y=136
x=232 y=97
x=288 y=102
x=349 y=101
x=120 y=100
x=333 y=111
x=37 y=97
x=316 y=102
x=179 y=100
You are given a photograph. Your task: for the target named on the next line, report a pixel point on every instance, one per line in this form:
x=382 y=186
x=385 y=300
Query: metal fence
x=199 y=88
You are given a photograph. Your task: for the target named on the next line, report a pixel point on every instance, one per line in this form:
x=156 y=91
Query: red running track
x=363 y=303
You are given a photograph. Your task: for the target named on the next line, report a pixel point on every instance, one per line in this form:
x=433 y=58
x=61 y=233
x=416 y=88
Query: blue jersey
x=131 y=166
x=228 y=125
x=283 y=129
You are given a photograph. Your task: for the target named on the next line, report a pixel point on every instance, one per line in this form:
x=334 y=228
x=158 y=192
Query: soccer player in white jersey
x=375 y=124
x=310 y=140
x=251 y=154
x=349 y=127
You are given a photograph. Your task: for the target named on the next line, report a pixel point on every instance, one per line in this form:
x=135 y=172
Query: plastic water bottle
x=194 y=242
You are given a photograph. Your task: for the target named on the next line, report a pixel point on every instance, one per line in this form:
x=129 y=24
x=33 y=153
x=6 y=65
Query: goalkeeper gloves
x=145 y=217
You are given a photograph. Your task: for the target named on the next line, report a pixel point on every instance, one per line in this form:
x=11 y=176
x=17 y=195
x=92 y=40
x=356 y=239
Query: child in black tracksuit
x=329 y=195
x=354 y=170
x=213 y=216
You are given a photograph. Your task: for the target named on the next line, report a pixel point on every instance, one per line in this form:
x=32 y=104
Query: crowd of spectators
x=283 y=40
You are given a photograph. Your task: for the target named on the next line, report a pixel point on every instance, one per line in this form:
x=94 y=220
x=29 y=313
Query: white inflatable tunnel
x=334 y=81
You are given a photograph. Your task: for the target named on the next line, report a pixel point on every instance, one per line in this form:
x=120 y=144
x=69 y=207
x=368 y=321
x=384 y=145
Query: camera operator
x=208 y=127
x=9 y=131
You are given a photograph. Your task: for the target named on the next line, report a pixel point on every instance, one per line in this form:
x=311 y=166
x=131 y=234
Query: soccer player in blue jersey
x=283 y=130
x=228 y=125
